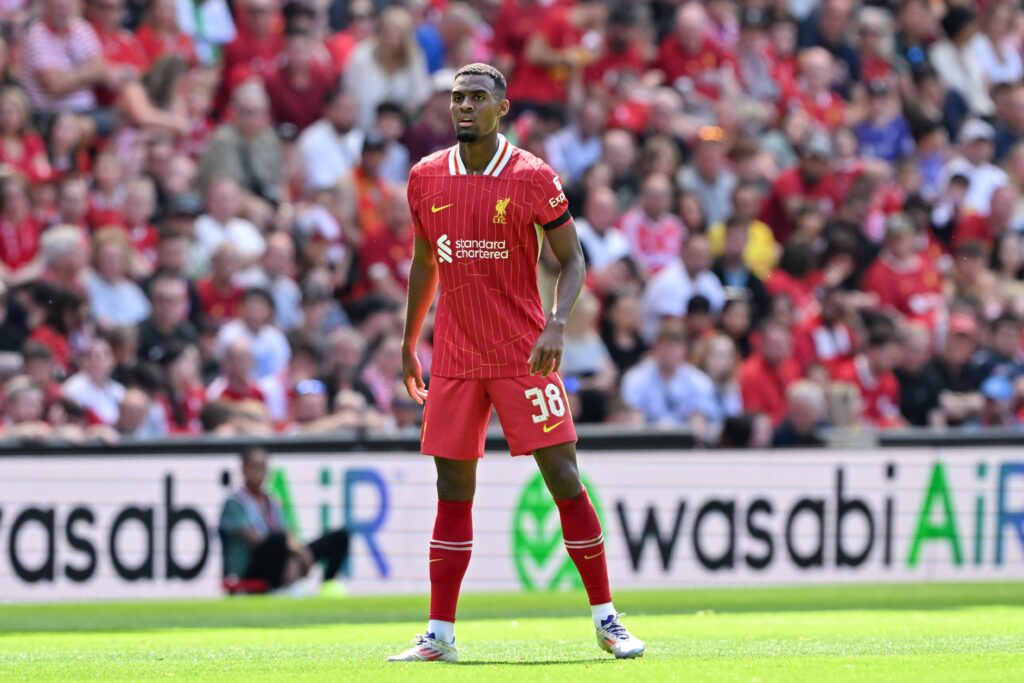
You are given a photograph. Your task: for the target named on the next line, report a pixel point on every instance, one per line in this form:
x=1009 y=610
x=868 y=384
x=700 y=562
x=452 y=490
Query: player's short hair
x=481 y=69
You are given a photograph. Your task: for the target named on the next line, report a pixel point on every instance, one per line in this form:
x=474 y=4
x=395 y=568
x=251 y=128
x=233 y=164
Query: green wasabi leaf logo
x=537 y=549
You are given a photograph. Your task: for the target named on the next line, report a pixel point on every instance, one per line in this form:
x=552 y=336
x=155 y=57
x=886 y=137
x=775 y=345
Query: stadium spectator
x=160 y=34
x=620 y=330
x=586 y=363
x=391 y=125
x=603 y=243
x=669 y=292
x=731 y=267
x=760 y=252
x=257 y=546
x=765 y=376
x=133 y=420
x=297 y=81
x=955 y=61
x=666 y=390
x=434 y=131
x=185 y=394
x=389 y=66
x=219 y=296
x=114 y=298
x=64 y=251
x=959 y=399
x=92 y=388
x=21 y=148
x=871 y=371
x=655 y=234
x=236 y=382
x=330 y=148
x=805 y=413
x=708 y=175
x=274 y=274
x=269 y=347
x=222 y=223
x=167 y=323
x=716 y=357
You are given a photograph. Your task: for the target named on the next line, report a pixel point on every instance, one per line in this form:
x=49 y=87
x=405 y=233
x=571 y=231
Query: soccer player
x=481 y=210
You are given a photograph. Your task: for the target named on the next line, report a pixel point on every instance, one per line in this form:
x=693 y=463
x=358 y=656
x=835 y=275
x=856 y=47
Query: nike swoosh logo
x=590 y=557
x=435 y=560
x=548 y=428
x=436 y=209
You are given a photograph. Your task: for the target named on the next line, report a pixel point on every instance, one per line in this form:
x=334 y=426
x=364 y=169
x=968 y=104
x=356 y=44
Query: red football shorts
x=534 y=413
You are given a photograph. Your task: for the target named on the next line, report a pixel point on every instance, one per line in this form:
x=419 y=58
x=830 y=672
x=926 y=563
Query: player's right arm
x=422 y=287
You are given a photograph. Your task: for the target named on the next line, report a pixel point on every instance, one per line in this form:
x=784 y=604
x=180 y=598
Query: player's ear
x=503 y=107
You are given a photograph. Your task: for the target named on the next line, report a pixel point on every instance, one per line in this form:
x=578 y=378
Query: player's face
x=476 y=108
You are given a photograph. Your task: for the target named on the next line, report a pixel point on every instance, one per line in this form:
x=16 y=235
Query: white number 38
x=549 y=401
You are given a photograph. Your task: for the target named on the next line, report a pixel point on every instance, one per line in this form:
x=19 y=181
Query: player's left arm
x=546 y=356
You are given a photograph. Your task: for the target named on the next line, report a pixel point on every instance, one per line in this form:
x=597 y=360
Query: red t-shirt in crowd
x=19 y=243
x=702 y=67
x=828 y=109
x=880 y=395
x=484 y=229
x=218 y=304
x=790 y=185
x=816 y=342
x=120 y=49
x=191 y=402
x=914 y=290
x=298 y=106
x=32 y=162
x=546 y=84
x=156 y=46
x=58 y=343
x=763 y=387
x=600 y=72
x=387 y=251
x=221 y=390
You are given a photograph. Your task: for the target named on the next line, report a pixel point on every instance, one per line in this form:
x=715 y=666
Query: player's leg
x=454 y=432
x=584 y=541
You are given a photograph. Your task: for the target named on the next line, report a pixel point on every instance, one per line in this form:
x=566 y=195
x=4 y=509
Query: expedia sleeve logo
x=471 y=249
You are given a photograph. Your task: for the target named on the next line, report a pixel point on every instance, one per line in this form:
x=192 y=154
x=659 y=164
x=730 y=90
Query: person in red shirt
x=160 y=35
x=556 y=54
x=21 y=148
x=826 y=338
x=811 y=181
x=298 y=82
x=689 y=58
x=872 y=372
x=812 y=90
x=19 y=231
x=765 y=376
x=186 y=395
x=623 y=50
x=974 y=227
x=235 y=382
x=359 y=27
x=136 y=213
x=384 y=258
x=516 y=22
x=219 y=296
x=125 y=59
x=904 y=281
x=254 y=52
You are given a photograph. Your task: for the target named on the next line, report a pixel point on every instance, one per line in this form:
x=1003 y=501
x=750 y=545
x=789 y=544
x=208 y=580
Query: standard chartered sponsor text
x=481 y=249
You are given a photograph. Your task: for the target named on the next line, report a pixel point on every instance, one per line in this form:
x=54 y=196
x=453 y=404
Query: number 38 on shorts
x=533 y=411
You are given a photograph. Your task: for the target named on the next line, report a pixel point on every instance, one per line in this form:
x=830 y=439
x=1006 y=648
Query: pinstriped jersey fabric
x=486 y=233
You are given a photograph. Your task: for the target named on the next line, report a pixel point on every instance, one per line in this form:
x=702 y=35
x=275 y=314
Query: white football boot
x=613 y=638
x=426 y=648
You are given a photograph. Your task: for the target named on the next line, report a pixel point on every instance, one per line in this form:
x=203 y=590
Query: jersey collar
x=494 y=167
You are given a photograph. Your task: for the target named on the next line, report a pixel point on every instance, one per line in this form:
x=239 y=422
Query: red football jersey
x=486 y=231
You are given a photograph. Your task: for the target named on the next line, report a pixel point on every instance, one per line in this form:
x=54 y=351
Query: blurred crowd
x=796 y=213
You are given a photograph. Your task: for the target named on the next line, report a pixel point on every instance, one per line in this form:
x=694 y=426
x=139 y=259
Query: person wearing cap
x=959 y=399
x=955 y=61
x=976 y=141
x=884 y=133
x=903 y=280
x=810 y=181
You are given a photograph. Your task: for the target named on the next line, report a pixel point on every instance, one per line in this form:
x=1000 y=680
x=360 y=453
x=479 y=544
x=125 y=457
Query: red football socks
x=583 y=539
x=450 y=548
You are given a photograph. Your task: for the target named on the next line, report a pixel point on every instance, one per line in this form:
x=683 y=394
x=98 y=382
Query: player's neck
x=477 y=155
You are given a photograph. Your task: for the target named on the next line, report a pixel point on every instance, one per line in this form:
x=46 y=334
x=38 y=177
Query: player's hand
x=412 y=376
x=546 y=355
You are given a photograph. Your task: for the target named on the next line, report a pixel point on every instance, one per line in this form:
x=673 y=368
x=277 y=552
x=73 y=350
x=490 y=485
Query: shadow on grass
x=281 y=612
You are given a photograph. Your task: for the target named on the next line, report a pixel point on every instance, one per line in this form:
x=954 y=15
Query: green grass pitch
x=956 y=633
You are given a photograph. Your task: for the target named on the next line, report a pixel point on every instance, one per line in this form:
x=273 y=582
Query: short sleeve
x=551 y=208
x=233 y=519
x=411 y=193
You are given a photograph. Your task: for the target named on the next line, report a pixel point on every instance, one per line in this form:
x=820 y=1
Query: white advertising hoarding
x=143 y=526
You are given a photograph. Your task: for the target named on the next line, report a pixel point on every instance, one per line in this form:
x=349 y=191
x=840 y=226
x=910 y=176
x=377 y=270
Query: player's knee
x=453 y=484
x=561 y=475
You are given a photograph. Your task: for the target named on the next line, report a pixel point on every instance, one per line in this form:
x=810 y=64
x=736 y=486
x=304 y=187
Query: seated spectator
x=346 y=350
x=73 y=204
x=603 y=243
x=884 y=134
x=270 y=350
x=330 y=148
x=736 y=322
x=690 y=60
x=161 y=36
x=222 y=223
x=708 y=176
x=275 y=274
x=716 y=357
x=114 y=299
x=811 y=181
x=136 y=216
x=19 y=231
x=813 y=89
x=133 y=420
x=247 y=151
x=760 y=252
x=39 y=366
x=12 y=331
x=297 y=81
x=391 y=125
x=667 y=390
x=21 y=148
x=1002 y=356
x=433 y=131
x=919 y=387
x=57 y=318
x=24 y=410
x=388 y=67
x=805 y=414
x=959 y=399
x=655 y=234
x=236 y=382
x=976 y=143
x=92 y=388
x=62 y=61
x=902 y=279
x=167 y=323
x=369 y=188
x=669 y=292
x=383 y=370
x=767 y=373
x=219 y=296
x=827 y=338
x=578 y=146
x=252 y=55
x=258 y=547
x=955 y=63
x=732 y=266
x=185 y=395
x=871 y=371
x=585 y=360
x=385 y=260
